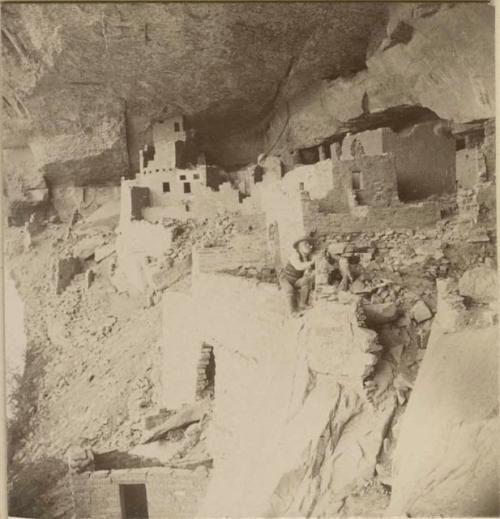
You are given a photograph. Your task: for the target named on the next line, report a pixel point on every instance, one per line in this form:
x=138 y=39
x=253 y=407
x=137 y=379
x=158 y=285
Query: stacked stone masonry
x=205 y=384
x=169 y=492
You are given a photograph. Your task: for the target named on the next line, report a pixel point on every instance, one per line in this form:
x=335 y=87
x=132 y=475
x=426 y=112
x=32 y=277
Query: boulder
x=445 y=463
x=420 y=312
x=189 y=415
x=480 y=284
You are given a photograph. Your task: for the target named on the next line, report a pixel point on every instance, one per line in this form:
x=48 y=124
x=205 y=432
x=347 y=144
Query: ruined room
x=250 y=259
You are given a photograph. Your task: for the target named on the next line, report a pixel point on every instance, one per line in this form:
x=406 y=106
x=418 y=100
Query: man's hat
x=300 y=240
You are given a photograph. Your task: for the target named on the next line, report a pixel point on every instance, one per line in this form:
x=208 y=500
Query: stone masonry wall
x=377 y=181
x=170 y=492
x=424 y=157
x=370 y=218
x=216 y=259
x=470 y=166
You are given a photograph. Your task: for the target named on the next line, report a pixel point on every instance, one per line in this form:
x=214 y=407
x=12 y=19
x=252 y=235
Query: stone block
x=420 y=312
x=480 y=284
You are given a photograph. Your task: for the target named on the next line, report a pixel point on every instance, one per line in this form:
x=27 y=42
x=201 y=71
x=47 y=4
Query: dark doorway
x=166 y=187
x=180 y=155
x=309 y=155
x=134 y=502
x=356 y=180
x=177 y=127
x=187 y=187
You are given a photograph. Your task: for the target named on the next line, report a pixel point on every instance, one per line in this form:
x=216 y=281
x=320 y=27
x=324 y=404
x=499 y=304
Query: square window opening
x=182 y=177
x=196 y=176
x=177 y=127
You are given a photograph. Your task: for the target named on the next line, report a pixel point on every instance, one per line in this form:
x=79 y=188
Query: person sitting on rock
x=297 y=278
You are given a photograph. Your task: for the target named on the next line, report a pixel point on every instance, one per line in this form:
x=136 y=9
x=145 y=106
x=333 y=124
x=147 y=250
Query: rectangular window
x=187 y=187
x=182 y=177
x=196 y=176
x=460 y=143
x=133 y=501
x=356 y=180
x=177 y=127
x=166 y=187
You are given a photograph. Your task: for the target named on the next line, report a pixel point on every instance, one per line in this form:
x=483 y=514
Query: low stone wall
x=373 y=219
x=216 y=259
x=170 y=492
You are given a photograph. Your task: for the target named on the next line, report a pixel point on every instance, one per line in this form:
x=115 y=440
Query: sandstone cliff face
x=445 y=70
x=445 y=460
x=83 y=83
x=73 y=71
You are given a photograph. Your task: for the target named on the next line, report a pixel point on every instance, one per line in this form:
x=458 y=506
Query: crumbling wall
x=375 y=184
x=366 y=218
x=424 y=157
x=476 y=161
x=170 y=492
x=277 y=384
x=471 y=166
x=477 y=204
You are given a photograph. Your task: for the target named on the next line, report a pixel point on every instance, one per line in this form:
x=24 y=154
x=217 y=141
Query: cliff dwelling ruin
x=254 y=247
